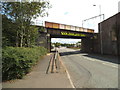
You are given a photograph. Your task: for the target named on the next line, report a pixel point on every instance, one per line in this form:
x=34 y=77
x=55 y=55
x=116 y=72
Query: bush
x=17 y=61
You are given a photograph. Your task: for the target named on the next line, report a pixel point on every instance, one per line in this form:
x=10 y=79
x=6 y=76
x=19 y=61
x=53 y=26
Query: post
x=101 y=47
x=101 y=31
x=82 y=24
x=100 y=11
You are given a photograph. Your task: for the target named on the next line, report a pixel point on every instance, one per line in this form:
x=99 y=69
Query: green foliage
x=57 y=44
x=17 y=61
x=17 y=29
x=41 y=29
x=8 y=32
x=28 y=10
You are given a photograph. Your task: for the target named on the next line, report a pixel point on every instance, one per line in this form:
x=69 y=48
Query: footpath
x=38 y=78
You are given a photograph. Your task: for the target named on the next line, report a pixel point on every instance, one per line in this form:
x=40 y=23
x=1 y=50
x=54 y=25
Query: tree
x=21 y=13
x=57 y=44
x=8 y=32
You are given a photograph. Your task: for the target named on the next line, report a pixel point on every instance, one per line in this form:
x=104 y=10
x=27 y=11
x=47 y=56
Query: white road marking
x=109 y=64
x=103 y=62
x=89 y=59
x=68 y=75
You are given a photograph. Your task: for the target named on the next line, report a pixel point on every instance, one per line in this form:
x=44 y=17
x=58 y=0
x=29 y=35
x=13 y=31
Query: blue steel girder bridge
x=56 y=30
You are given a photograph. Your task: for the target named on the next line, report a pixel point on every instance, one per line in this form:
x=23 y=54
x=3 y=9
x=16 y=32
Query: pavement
x=90 y=70
x=38 y=78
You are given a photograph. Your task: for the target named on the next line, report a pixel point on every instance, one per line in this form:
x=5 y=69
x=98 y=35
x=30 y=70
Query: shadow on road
x=70 y=53
x=108 y=58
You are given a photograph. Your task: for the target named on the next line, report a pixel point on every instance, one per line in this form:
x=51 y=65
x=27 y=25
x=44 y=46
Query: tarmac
x=38 y=78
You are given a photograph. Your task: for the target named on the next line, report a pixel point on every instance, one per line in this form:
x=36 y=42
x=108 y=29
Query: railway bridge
x=56 y=30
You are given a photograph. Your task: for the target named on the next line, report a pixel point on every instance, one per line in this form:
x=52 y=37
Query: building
x=110 y=35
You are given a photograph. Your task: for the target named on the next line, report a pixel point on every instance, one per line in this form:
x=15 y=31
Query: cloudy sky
x=73 y=12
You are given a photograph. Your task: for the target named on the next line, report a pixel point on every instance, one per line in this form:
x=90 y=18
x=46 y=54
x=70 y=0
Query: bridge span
x=56 y=30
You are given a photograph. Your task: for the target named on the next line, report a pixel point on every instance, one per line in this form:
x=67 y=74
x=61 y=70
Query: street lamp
x=95 y=16
x=100 y=29
x=99 y=10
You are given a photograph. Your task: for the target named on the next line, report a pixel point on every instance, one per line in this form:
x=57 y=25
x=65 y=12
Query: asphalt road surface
x=89 y=72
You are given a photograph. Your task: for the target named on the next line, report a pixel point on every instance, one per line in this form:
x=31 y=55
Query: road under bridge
x=89 y=41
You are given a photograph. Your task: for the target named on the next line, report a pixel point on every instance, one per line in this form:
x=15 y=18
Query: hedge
x=17 y=61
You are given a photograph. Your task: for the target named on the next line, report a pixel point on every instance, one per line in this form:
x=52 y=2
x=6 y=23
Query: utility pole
x=101 y=43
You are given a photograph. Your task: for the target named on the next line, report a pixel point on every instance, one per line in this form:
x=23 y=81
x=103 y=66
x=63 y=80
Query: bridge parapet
x=67 y=27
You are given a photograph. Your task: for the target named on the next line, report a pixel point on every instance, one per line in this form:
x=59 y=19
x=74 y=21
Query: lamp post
x=100 y=29
x=99 y=10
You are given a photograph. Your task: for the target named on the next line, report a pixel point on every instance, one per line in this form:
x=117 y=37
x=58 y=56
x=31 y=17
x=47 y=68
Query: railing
x=54 y=63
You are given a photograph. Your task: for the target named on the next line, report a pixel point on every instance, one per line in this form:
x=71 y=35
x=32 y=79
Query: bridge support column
x=87 y=45
x=44 y=40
